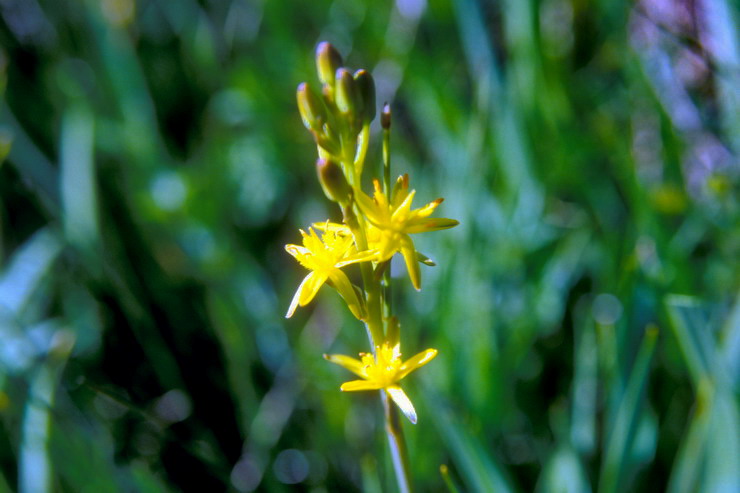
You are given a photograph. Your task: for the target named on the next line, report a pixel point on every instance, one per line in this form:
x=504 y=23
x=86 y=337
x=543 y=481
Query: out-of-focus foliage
x=587 y=310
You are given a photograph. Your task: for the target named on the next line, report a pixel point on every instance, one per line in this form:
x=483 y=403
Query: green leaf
x=620 y=440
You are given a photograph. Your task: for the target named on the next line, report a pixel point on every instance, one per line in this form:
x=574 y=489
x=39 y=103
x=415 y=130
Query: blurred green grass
x=587 y=309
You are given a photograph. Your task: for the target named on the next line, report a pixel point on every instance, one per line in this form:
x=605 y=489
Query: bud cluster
x=336 y=117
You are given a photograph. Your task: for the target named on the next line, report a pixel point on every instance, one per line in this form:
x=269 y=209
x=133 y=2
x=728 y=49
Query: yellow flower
x=373 y=238
x=393 y=221
x=383 y=371
x=324 y=257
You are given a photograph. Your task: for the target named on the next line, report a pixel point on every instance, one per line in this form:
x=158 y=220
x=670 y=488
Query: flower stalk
x=373 y=229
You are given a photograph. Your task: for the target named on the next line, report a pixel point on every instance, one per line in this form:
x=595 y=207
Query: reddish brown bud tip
x=385 y=116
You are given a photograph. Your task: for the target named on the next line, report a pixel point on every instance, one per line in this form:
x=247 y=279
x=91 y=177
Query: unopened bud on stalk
x=310 y=107
x=332 y=180
x=328 y=60
x=385 y=117
x=326 y=142
x=366 y=89
x=346 y=92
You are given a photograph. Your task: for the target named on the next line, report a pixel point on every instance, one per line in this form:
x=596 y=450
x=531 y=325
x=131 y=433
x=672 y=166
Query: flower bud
x=366 y=89
x=310 y=107
x=328 y=142
x=332 y=180
x=328 y=60
x=346 y=96
x=385 y=116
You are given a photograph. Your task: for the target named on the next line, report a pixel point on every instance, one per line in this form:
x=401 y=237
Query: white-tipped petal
x=417 y=361
x=296 y=297
x=403 y=402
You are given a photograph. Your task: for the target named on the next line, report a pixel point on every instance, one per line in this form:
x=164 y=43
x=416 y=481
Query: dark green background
x=586 y=309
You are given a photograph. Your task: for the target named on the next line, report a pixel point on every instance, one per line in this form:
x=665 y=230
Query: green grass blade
x=619 y=443
x=30 y=162
x=564 y=473
x=723 y=454
x=77 y=180
x=478 y=468
x=585 y=382
x=686 y=471
x=27 y=269
x=34 y=464
x=690 y=328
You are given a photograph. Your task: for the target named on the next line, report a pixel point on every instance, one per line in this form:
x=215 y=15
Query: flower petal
x=432 y=224
x=403 y=402
x=400 y=190
x=302 y=254
x=424 y=259
x=402 y=213
x=357 y=385
x=345 y=289
x=379 y=196
x=358 y=257
x=412 y=265
x=416 y=361
x=351 y=364
x=340 y=229
x=299 y=293
x=369 y=208
x=310 y=286
x=429 y=208
x=297 y=250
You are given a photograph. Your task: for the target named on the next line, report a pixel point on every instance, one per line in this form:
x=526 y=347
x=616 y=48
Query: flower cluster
x=373 y=229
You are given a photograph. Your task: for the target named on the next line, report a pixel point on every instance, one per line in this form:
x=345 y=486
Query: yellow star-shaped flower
x=324 y=257
x=393 y=221
x=383 y=371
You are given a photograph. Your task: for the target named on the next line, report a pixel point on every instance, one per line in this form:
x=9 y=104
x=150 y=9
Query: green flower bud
x=366 y=89
x=328 y=142
x=311 y=107
x=328 y=60
x=332 y=180
x=385 y=117
x=347 y=97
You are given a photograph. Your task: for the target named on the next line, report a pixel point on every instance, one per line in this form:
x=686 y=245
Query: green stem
x=387 y=161
x=387 y=299
x=397 y=444
x=377 y=297
x=353 y=167
x=364 y=141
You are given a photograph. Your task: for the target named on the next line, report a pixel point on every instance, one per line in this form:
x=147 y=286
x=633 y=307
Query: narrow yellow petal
x=310 y=286
x=416 y=361
x=369 y=208
x=296 y=250
x=345 y=289
x=429 y=208
x=302 y=254
x=365 y=256
x=379 y=196
x=412 y=265
x=357 y=385
x=297 y=296
x=400 y=189
x=403 y=211
x=403 y=402
x=328 y=226
x=352 y=364
x=432 y=224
